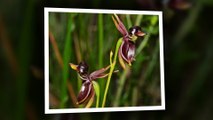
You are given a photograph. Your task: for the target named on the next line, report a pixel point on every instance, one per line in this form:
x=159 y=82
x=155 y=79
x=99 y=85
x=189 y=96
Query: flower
x=87 y=91
x=127 y=48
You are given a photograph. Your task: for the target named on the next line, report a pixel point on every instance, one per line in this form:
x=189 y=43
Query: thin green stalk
x=134 y=96
x=100 y=50
x=138 y=20
x=111 y=70
x=97 y=92
x=129 y=23
x=100 y=38
x=120 y=87
x=144 y=42
x=66 y=59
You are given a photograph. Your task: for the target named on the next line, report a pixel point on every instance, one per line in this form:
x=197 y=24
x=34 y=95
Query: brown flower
x=127 y=48
x=87 y=91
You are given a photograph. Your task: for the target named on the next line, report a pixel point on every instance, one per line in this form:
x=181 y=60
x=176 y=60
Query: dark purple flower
x=127 y=51
x=87 y=91
x=127 y=48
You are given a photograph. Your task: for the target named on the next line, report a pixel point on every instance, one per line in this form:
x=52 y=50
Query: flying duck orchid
x=87 y=91
x=127 y=48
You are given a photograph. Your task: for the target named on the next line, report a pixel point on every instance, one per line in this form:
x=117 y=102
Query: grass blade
x=66 y=59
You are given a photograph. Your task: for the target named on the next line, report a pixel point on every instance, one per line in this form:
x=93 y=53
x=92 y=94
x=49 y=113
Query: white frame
x=106 y=109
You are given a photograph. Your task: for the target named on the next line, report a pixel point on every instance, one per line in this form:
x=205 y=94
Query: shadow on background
x=188 y=41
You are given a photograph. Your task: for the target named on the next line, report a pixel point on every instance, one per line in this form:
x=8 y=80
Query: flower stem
x=66 y=59
x=120 y=86
x=112 y=66
x=97 y=92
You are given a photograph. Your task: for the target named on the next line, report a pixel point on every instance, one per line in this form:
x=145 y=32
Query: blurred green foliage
x=87 y=43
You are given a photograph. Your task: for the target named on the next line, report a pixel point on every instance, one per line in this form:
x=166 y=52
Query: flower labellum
x=86 y=92
x=127 y=51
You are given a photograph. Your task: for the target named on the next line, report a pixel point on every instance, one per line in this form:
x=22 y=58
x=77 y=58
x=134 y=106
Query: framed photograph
x=103 y=60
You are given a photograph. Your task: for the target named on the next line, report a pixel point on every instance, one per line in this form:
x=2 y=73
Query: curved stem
x=112 y=66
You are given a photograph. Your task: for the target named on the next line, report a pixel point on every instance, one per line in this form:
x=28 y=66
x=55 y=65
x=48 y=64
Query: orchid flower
x=127 y=48
x=87 y=90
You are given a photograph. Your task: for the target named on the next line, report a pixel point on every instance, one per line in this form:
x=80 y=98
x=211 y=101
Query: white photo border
x=47 y=10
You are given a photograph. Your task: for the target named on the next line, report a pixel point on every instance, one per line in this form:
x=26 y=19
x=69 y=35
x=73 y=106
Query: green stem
x=100 y=37
x=100 y=50
x=111 y=70
x=120 y=86
x=66 y=59
x=138 y=20
x=97 y=92
x=129 y=23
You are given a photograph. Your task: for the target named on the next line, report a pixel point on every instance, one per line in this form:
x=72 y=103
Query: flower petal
x=96 y=74
x=131 y=52
x=73 y=66
x=90 y=101
x=119 y=25
x=127 y=51
x=123 y=50
x=121 y=61
x=85 y=92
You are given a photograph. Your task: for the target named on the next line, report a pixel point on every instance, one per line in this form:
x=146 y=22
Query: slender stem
x=100 y=51
x=100 y=37
x=145 y=41
x=97 y=92
x=120 y=86
x=66 y=59
x=129 y=23
x=138 y=20
x=111 y=70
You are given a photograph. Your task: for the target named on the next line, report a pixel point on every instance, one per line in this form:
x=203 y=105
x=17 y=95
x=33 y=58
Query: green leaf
x=97 y=92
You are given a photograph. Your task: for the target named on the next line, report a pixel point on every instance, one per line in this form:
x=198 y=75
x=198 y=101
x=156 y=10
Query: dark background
x=188 y=45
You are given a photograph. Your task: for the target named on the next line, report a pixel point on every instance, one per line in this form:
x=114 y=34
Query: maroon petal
x=119 y=25
x=127 y=51
x=131 y=52
x=85 y=92
x=123 y=50
x=98 y=73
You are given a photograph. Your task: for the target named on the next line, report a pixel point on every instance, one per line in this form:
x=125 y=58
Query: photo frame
x=158 y=70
